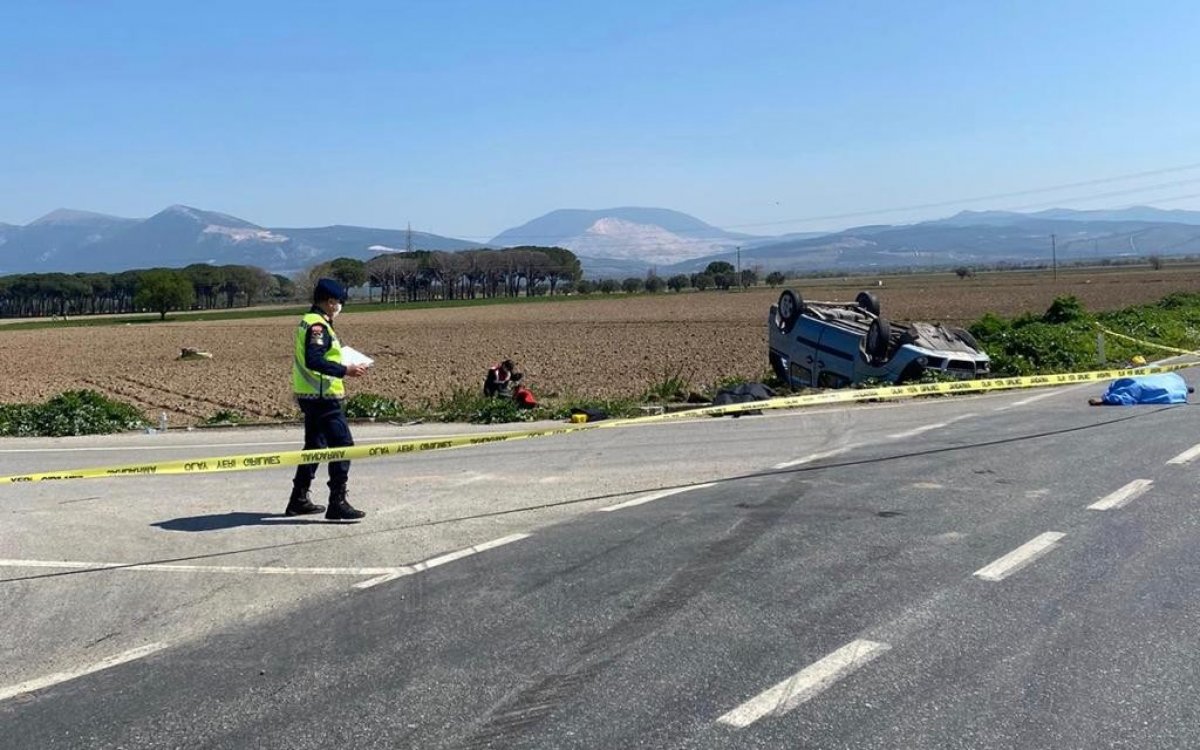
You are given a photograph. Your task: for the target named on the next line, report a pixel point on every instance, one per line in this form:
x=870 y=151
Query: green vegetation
x=163 y=291
x=224 y=417
x=1064 y=339
x=71 y=413
x=373 y=406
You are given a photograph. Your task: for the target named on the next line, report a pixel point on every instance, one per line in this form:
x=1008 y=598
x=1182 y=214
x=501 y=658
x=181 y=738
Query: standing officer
x=317 y=374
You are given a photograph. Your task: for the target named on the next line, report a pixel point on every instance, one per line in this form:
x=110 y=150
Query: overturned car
x=836 y=344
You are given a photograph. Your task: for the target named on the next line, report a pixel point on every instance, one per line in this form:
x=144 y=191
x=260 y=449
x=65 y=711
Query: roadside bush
x=83 y=412
x=1064 y=338
x=373 y=406
x=672 y=386
x=223 y=417
x=1065 y=310
x=469 y=405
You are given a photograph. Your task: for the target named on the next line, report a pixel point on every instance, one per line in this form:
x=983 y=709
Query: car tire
x=879 y=339
x=790 y=306
x=868 y=302
x=966 y=337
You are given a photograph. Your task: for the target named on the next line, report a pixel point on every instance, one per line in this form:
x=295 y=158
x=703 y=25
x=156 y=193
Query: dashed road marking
x=655 y=496
x=433 y=562
x=1123 y=496
x=1186 y=456
x=816 y=456
x=378 y=575
x=177 y=568
x=928 y=428
x=1026 y=401
x=58 y=677
x=805 y=684
x=1020 y=557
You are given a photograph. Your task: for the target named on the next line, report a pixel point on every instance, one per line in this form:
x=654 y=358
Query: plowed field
x=605 y=346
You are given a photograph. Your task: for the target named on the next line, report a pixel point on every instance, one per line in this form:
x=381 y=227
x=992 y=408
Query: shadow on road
x=218 y=521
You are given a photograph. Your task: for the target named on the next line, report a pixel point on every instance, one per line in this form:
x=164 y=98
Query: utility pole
x=408 y=239
x=739 y=268
x=1054 y=256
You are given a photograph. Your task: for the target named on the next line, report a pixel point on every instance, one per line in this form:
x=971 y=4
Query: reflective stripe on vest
x=308 y=383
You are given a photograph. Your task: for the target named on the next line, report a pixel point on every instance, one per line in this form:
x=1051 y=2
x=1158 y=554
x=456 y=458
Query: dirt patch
x=608 y=346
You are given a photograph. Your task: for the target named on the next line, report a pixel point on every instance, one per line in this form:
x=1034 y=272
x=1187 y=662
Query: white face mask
x=337 y=308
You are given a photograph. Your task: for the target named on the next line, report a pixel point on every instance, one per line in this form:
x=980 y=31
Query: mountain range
x=610 y=242
x=68 y=240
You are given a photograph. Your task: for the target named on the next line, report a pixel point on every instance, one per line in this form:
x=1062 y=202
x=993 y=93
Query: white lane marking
x=1030 y=400
x=177 y=568
x=816 y=456
x=917 y=431
x=433 y=562
x=1036 y=494
x=926 y=428
x=655 y=496
x=1020 y=557
x=53 y=679
x=805 y=684
x=1123 y=496
x=380 y=575
x=928 y=486
x=473 y=479
x=1186 y=456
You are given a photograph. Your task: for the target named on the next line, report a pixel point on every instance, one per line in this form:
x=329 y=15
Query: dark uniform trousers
x=324 y=427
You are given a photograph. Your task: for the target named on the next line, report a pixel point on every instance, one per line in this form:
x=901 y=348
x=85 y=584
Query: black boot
x=340 y=509
x=299 y=504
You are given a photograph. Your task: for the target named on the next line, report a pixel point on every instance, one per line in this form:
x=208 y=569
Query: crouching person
x=501 y=380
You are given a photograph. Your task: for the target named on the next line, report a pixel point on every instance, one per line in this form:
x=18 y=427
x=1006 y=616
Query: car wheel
x=965 y=336
x=790 y=306
x=879 y=339
x=868 y=302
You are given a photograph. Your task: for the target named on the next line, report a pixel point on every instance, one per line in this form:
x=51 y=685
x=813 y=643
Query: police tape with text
x=292 y=458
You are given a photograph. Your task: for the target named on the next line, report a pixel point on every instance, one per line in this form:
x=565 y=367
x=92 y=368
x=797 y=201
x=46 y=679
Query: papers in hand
x=352 y=356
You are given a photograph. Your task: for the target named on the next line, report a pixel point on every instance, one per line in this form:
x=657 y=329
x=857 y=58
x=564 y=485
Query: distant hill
x=71 y=241
x=648 y=236
x=983 y=238
x=613 y=243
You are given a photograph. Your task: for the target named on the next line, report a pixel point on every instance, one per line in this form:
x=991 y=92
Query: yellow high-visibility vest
x=308 y=383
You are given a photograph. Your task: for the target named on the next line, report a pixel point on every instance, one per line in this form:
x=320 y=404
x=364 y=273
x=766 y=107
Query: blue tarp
x=1161 y=388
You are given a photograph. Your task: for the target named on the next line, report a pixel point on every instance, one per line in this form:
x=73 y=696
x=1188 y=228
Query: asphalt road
x=915 y=575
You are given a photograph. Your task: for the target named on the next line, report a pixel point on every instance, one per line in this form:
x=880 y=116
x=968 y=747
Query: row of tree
x=396 y=277
x=467 y=274
x=198 y=286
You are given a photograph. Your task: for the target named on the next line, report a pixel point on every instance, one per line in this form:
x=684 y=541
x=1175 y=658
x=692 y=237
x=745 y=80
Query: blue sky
x=466 y=118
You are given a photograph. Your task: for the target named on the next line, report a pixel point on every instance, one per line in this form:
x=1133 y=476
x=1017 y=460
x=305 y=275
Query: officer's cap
x=329 y=289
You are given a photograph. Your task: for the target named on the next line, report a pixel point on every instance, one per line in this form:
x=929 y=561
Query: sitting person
x=501 y=379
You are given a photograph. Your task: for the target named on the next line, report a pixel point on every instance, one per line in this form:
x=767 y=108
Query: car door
x=836 y=349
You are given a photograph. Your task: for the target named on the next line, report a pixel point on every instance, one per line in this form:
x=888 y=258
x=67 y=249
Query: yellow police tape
x=294 y=458
x=1151 y=344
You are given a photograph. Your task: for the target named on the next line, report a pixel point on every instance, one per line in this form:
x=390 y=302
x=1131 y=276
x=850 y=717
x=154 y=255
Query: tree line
x=420 y=275
x=198 y=286
x=467 y=274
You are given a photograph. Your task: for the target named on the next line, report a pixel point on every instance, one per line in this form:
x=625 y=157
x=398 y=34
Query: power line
x=1110 y=194
x=943 y=204
x=994 y=196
